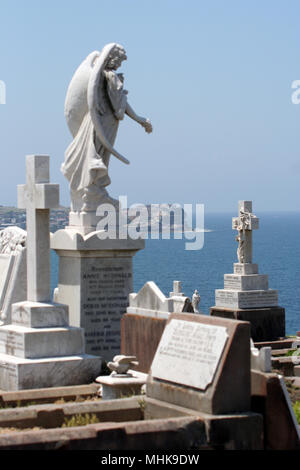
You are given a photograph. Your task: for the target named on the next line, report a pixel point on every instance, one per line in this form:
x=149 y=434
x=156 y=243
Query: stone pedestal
x=246 y=296
x=267 y=324
x=121 y=386
x=39 y=349
x=95 y=280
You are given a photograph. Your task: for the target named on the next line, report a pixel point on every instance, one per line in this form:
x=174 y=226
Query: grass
x=290 y=352
x=80 y=420
x=296 y=407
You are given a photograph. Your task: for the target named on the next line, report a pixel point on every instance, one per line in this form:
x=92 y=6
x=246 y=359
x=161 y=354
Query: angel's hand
x=146 y=125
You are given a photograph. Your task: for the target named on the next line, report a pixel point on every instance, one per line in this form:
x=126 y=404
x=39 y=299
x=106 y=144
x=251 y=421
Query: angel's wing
x=92 y=100
x=76 y=105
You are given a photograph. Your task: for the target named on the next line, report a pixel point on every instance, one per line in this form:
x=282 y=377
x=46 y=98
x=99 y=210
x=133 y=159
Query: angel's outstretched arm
x=141 y=120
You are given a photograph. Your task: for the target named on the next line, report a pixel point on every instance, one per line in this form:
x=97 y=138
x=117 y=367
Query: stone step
x=24 y=374
x=19 y=398
x=245 y=268
x=39 y=315
x=281 y=343
x=247 y=282
x=280 y=352
x=31 y=343
x=230 y=298
x=285 y=365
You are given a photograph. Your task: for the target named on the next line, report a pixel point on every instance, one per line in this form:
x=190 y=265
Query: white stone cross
x=38 y=196
x=244 y=224
x=176 y=289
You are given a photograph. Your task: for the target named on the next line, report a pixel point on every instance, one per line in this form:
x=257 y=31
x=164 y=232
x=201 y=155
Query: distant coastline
x=59 y=218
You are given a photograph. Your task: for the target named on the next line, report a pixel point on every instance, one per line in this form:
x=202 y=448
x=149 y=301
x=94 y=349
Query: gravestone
x=246 y=294
x=39 y=349
x=95 y=280
x=145 y=320
x=13 y=277
x=202 y=363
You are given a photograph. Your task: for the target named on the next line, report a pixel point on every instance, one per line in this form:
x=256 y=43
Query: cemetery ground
x=76 y=417
x=207 y=387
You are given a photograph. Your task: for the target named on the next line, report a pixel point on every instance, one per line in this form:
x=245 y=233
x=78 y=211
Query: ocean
x=276 y=249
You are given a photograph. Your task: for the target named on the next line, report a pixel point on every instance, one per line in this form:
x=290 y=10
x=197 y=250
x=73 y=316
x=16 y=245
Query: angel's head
x=116 y=57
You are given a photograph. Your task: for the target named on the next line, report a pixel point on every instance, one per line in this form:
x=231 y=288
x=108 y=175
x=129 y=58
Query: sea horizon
x=275 y=249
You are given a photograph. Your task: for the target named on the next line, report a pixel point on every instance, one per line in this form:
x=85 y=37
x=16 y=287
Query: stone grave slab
x=202 y=363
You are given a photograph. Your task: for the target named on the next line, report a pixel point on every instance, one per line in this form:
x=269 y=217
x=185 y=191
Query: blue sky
x=214 y=77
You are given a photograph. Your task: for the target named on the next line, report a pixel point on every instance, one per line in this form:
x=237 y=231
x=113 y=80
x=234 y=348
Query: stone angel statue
x=95 y=103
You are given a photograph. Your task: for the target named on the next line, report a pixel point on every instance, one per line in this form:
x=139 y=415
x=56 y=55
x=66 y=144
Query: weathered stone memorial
x=95 y=269
x=246 y=294
x=202 y=367
x=203 y=363
x=39 y=349
x=145 y=320
x=13 y=274
x=95 y=280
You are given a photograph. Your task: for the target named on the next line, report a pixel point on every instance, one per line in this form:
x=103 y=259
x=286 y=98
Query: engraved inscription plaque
x=107 y=284
x=189 y=353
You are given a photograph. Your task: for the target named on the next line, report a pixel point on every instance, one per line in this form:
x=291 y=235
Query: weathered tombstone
x=145 y=320
x=39 y=349
x=95 y=274
x=206 y=367
x=246 y=294
x=13 y=276
x=202 y=363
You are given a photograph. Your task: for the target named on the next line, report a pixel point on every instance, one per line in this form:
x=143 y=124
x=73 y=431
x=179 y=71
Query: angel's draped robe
x=86 y=159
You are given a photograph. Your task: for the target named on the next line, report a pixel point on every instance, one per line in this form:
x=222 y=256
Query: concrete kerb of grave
x=124 y=425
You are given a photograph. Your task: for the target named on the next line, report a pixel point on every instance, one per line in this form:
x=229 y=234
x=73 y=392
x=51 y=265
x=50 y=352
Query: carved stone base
x=267 y=324
x=39 y=349
x=18 y=373
x=95 y=280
